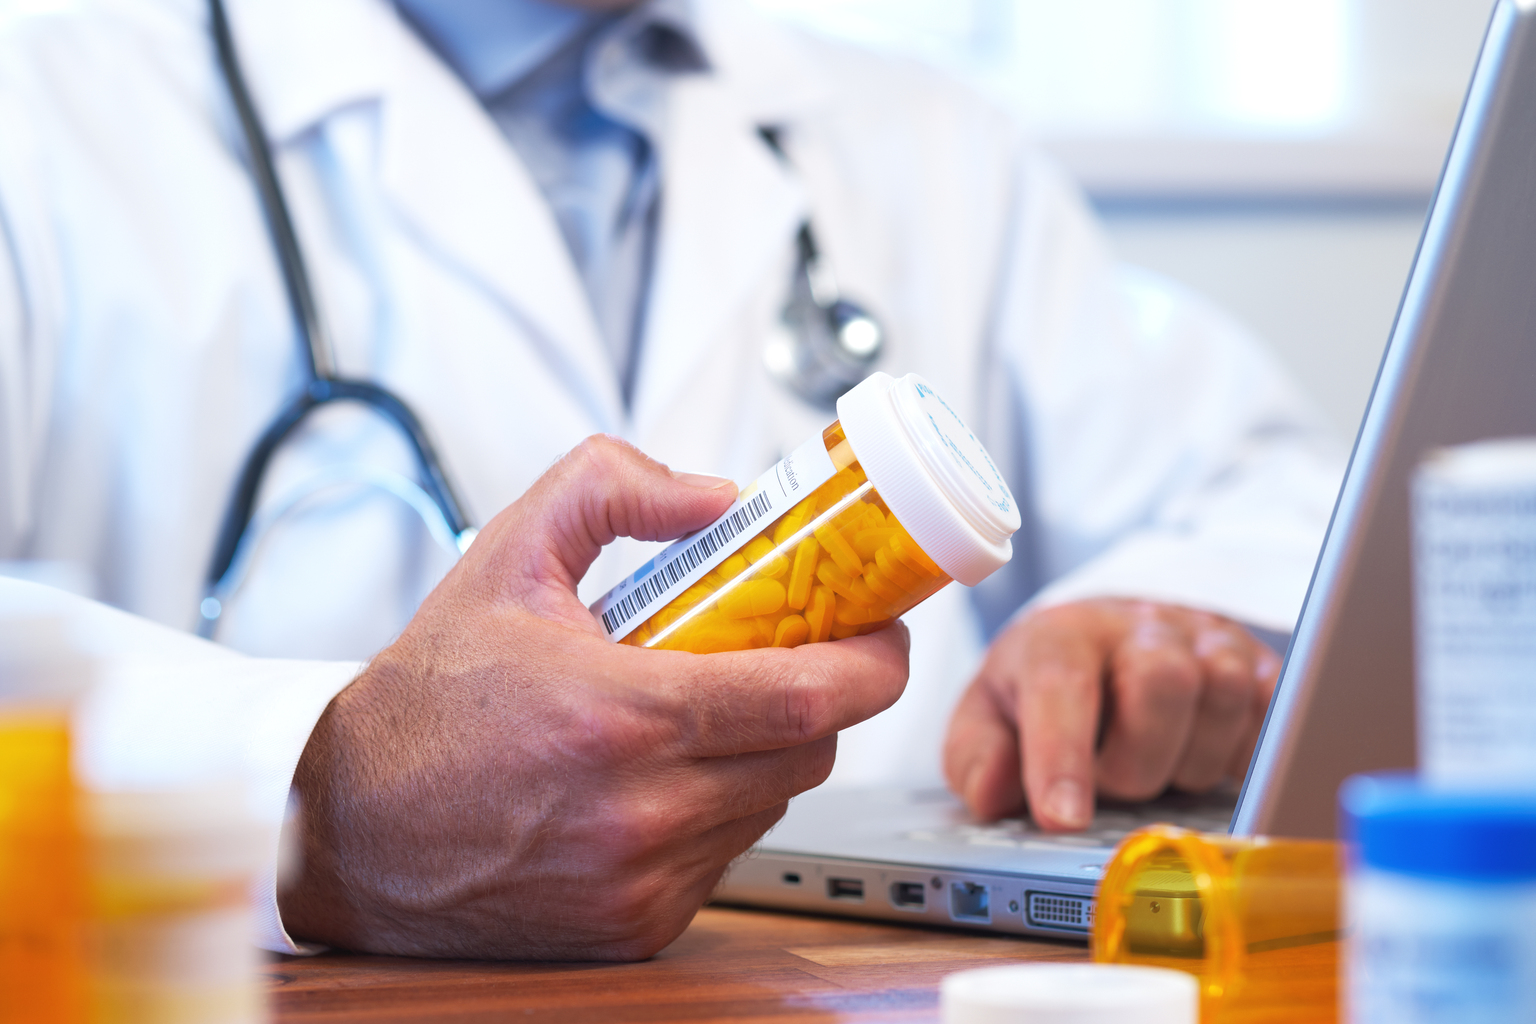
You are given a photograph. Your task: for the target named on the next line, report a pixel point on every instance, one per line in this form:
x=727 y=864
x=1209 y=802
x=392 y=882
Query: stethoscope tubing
x=315 y=344
x=322 y=386
x=821 y=367
x=316 y=393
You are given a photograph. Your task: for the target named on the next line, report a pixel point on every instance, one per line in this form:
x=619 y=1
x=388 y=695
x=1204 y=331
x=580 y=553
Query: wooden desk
x=730 y=965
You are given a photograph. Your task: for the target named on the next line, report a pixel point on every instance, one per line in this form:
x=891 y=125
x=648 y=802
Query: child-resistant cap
x=1396 y=823
x=1069 y=994
x=933 y=474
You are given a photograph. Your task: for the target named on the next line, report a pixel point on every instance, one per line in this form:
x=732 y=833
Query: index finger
x=768 y=699
x=1060 y=693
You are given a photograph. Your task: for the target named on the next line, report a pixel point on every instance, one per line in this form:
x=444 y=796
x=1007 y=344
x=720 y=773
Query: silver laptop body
x=1460 y=365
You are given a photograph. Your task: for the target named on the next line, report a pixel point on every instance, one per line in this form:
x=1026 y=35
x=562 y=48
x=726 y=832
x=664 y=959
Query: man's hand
x=504 y=782
x=1126 y=697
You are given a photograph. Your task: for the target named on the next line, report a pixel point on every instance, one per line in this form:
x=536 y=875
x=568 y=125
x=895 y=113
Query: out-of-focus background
x=1278 y=155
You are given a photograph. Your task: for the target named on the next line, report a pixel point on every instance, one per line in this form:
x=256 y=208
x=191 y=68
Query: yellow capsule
x=792 y=632
x=863 y=595
x=906 y=549
x=731 y=567
x=844 y=630
x=839 y=550
x=668 y=615
x=788 y=525
x=857 y=615
x=891 y=568
x=714 y=633
x=882 y=588
x=833 y=576
x=759 y=551
x=754 y=597
x=819 y=616
x=767 y=629
x=868 y=542
x=692 y=596
x=870 y=517
x=803 y=573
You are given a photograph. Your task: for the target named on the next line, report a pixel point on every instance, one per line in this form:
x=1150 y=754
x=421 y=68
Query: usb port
x=846 y=889
x=909 y=895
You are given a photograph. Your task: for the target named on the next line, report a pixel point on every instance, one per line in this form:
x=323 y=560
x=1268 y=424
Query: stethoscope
x=827 y=345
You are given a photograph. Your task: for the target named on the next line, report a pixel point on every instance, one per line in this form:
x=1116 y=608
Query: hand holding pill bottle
x=857 y=526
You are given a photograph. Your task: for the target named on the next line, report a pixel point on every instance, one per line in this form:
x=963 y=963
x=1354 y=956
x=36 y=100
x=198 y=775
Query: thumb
x=602 y=489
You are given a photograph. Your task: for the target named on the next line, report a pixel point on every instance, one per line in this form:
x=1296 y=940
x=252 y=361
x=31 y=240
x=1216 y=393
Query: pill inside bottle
x=892 y=502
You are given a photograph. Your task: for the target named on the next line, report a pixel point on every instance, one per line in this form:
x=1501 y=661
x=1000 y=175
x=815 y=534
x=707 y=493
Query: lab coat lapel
x=444 y=165
x=729 y=214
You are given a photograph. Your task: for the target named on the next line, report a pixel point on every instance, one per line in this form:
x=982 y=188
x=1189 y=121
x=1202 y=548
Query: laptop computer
x=1460 y=365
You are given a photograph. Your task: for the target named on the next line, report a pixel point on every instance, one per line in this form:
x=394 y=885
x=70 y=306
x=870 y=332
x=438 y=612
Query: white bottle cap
x=934 y=475
x=1501 y=462
x=1069 y=994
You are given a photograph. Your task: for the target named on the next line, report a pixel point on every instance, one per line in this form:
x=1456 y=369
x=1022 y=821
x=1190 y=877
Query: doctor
x=537 y=223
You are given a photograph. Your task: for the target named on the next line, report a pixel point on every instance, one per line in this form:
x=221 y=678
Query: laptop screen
x=1460 y=365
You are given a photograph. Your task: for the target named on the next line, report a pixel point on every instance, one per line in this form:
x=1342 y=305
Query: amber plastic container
x=908 y=501
x=1255 y=920
x=42 y=868
x=171 y=929
x=835 y=565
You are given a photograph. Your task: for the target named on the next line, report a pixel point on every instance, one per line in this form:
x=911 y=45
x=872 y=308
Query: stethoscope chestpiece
x=824 y=344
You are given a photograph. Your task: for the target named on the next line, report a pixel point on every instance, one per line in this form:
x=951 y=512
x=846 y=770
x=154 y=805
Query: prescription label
x=1475 y=611
x=684 y=562
x=1428 y=951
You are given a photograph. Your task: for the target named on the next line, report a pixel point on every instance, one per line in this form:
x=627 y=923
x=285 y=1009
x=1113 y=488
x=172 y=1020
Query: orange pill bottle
x=42 y=867
x=855 y=527
x=1255 y=920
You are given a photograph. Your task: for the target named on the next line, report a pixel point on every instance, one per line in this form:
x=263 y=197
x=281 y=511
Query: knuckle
x=806 y=709
x=1228 y=690
x=603 y=449
x=597 y=735
x=1130 y=784
x=641 y=829
x=1198 y=780
x=813 y=764
x=1161 y=677
x=636 y=914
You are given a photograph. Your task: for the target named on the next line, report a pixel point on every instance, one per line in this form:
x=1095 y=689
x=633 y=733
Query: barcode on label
x=676 y=569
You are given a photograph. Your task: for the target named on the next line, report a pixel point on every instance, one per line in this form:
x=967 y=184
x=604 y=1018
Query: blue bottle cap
x=1395 y=823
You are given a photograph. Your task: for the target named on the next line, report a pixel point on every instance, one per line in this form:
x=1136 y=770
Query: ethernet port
x=968 y=902
x=909 y=895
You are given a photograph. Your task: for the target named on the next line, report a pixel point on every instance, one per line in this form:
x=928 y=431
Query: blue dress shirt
x=580 y=96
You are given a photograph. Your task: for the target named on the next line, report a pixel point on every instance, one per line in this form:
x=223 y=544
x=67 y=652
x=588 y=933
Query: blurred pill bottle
x=1474 y=561
x=1440 y=903
x=42 y=883
x=855 y=527
x=1255 y=920
x=172 y=937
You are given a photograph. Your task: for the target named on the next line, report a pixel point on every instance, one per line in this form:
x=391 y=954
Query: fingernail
x=703 y=480
x=1067 y=804
x=968 y=787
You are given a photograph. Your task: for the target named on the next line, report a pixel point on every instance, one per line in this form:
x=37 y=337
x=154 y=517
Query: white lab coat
x=145 y=339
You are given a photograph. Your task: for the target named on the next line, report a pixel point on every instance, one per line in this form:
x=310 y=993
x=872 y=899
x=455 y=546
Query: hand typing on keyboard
x=1115 y=697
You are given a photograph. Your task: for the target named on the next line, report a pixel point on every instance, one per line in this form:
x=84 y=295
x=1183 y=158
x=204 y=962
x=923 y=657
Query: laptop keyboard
x=1110 y=825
